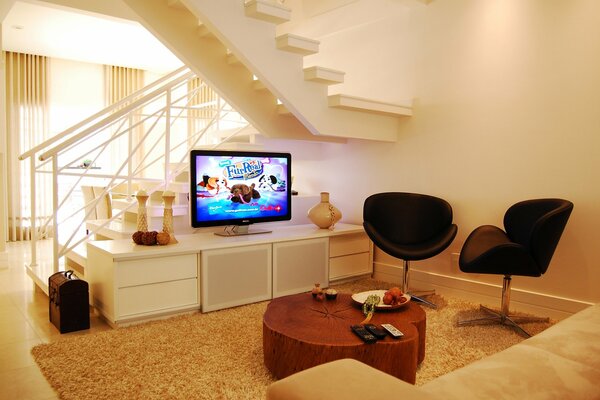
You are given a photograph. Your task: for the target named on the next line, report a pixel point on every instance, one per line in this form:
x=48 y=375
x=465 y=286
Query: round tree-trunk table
x=300 y=332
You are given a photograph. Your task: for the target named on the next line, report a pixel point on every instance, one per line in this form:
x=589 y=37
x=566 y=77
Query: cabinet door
x=235 y=276
x=298 y=265
x=348 y=266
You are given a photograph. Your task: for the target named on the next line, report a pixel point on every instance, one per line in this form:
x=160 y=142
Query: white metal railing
x=158 y=123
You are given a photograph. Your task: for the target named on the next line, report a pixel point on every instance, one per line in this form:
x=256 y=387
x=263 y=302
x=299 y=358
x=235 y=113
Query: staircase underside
x=177 y=28
x=228 y=49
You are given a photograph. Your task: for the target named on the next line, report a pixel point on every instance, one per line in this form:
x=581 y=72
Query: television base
x=239 y=230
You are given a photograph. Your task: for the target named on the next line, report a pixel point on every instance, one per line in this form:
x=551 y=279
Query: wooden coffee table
x=300 y=332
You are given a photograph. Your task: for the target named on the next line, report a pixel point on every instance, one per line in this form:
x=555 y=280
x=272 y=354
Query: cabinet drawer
x=156 y=297
x=159 y=269
x=348 y=244
x=355 y=264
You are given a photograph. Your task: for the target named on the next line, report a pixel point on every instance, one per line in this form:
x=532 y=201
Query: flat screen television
x=239 y=188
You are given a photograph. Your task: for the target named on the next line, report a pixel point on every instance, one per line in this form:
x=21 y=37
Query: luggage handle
x=54 y=292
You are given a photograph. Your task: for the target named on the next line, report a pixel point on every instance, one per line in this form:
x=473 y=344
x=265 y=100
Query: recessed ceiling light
x=18 y=27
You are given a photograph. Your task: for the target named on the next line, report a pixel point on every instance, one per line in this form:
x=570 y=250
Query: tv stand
x=131 y=283
x=238 y=230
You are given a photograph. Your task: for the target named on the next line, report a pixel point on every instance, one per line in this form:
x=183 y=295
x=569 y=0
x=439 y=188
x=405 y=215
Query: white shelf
x=368 y=105
x=192 y=243
x=297 y=44
x=268 y=11
x=324 y=75
x=153 y=209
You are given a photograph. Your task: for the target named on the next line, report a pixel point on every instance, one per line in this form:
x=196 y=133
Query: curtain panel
x=120 y=82
x=204 y=104
x=26 y=105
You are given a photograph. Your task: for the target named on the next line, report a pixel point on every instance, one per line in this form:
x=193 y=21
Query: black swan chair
x=532 y=231
x=411 y=227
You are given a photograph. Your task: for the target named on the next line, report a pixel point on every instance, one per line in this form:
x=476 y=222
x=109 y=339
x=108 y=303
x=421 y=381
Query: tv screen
x=239 y=187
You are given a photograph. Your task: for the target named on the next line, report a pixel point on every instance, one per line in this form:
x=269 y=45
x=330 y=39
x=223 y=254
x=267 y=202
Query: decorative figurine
x=142 y=214
x=168 y=197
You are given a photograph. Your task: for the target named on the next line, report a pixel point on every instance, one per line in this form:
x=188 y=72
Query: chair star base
x=419 y=296
x=494 y=317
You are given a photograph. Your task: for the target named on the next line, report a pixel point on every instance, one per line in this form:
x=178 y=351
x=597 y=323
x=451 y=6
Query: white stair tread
x=203 y=30
x=176 y=4
x=113 y=230
x=323 y=75
x=176 y=187
x=124 y=229
x=268 y=10
x=368 y=105
x=258 y=85
x=297 y=44
x=231 y=58
x=154 y=210
x=283 y=110
x=78 y=253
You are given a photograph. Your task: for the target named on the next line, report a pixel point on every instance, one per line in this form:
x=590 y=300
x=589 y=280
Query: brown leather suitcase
x=68 y=306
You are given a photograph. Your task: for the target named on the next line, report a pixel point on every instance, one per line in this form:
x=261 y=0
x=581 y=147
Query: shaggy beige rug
x=218 y=355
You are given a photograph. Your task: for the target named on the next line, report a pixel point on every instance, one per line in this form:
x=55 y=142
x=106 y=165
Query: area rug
x=218 y=355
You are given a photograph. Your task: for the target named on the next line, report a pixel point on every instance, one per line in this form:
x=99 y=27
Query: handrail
x=163 y=101
x=105 y=111
x=124 y=111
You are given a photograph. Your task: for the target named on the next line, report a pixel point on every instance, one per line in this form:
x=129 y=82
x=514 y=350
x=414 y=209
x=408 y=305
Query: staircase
x=233 y=46
x=141 y=142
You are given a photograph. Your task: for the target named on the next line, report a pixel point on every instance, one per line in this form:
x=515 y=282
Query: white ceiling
x=62 y=33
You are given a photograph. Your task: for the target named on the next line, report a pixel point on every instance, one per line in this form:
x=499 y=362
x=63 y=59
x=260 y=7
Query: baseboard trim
x=526 y=301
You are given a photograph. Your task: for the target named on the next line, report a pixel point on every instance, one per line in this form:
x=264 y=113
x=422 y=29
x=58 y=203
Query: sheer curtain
x=26 y=126
x=204 y=104
x=119 y=83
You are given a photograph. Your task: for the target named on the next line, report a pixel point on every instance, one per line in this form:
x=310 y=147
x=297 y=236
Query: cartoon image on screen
x=245 y=187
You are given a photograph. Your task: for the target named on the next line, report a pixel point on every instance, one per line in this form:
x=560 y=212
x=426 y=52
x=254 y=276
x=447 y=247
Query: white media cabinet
x=130 y=283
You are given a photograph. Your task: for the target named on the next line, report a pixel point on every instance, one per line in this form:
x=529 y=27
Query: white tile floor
x=23 y=324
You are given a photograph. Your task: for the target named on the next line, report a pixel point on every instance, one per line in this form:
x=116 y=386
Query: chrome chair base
x=494 y=317
x=419 y=296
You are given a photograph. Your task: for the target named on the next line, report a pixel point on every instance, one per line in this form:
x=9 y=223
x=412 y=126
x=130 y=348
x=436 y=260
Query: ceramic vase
x=324 y=214
x=142 y=214
x=168 y=198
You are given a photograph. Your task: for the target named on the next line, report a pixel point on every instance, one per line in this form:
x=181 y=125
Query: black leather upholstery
x=409 y=226
x=532 y=231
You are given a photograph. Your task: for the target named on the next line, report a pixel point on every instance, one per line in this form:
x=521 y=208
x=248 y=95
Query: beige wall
x=507 y=100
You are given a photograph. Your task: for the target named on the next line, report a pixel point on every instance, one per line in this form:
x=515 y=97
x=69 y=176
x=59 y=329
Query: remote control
x=362 y=333
x=379 y=333
x=392 y=330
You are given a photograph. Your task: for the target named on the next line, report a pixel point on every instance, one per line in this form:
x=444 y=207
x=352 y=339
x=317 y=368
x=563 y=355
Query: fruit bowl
x=360 y=298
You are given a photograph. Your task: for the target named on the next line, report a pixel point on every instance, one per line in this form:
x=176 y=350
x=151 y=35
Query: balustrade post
x=33 y=211
x=167 y=137
x=130 y=159
x=55 y=213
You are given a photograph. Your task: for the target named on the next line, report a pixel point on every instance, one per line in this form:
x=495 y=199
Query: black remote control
x=362 y=333
x=379 y=333
x=395 y=332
